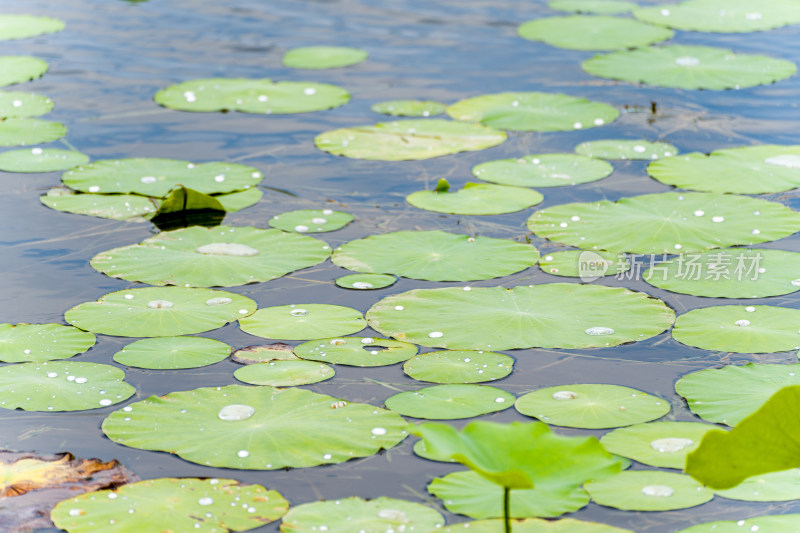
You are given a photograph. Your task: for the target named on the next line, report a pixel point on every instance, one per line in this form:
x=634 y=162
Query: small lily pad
x=780 y=486
x=626 y=149
x=459 y=366
x=41 y=342
x=450 y=402
x=409 y=108
x=593 y=32
x=311 y=220
x=584 y=264
x=41 y=160
x=543 y=170
x=366 y=281
x=476 y=199
x=22 y=131
x=114 y=206
x=17 y=69
x=786 y=523
x=168 y=353
x=596 y=7
x=644 y=490
x=264 y=353
x=24 y=26
x=320 y=57
x=356 y=351
x=724 y=16
x=662 y=444
x=533 y=525
x=23 y=105
x=299 y=322
x=284 y=373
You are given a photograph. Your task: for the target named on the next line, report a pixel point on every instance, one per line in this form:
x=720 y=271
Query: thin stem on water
x=506 y=508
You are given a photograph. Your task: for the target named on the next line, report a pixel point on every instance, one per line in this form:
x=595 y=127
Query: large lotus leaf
x=459 y=366
x=263 y=96
x=543 y=170
x=62 y=386
x=786 y=523
x=584 y=264
x=625 y=149
x=450 y=402
x=724 y=16
x=666 y=223
x=311 y=220
x=435 y=256
x=356 y=351
x=40 y=160
x=172 y=504
x=729 y=394
x=690 y=67
x=41 y=342
x=782 y=486
x=319 y=57
x=533 y=111
x=22 y=131
x=156 y=177
x=663 y=444
x=365 y=281
x=160 y=311
x=114 y=206
x=553 y=315
x=409 y=108
x=365 y=516
x=168 y=353
x=592 y=32
x=284 y=373
x=22 y=105
x=300 y=322
x=408 y=139
x=202 y=257
x=746 y=170
x=533 y=525
x=256 y=428
x=476 y=199
x=16 y=69
x=647 y=490
x=23 y=26
x=598 y=7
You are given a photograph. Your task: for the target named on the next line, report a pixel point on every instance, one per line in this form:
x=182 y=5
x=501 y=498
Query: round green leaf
x=171 y=504
x=645 y=490
x=592 y=406
x=543 y=170
x=168 y=353
x=256 y=428
x=41 y=342
x=625 y=149
x=298 y=322
x=263 y=97
x=356 y=351
x=238 y=200
x=409 y=108
x=354 y=514
x=459 y=366
x=597 y=7
x=553 y=315
x=22 y=131
x=690 y=67
x=160 y=311
x=724 y=16
x=450 y=402
x=114 y=206
x=534 y=525
x=366 y=281
x=62 y=386
x=22 y=105
x=284 y=373
x=584 y=264
x=277 y=351
x=408 y=139
x=476 y=199
x=662 y=444
x=17 y=69
x=773 y=487
x=666 y=223
x=319 y=57
x=786 y=523
x=592 y=32
x=220 y=256
x=311 y=220
x=40 y=160
x=533 y=111
x=24 y=26
x=435 y=256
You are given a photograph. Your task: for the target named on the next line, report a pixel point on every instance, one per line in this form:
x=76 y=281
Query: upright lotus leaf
x=553 y=315
x=22 y=131
x=356 y=351
x=476 y=199
x=729 y=394
x=114 y=206
x=450 y=402
x=238 y=200
x=533 y=111
x=354 y=514
x=169 y=353
x=160 y=312
x=782 y=486
x=40 y=160
x=662 y=444
x=321 y=57
x=458 y=366
x=180 y=199
x=534 y=525
x=690 y=67
x=648 y=490
x=311 y=220
x=745 y=170
x=625 y=149
x=24 y=26
x=784 y=523
x=284 y=373
x=264 y=353
x=724 y=16
x=365 y=281
x=202 y=257
x=62 y=386
x=543 y=170
x=172 y=504
x=597 y=7
x=156 y=177
x=300 y=322
x=17 y=69
x=409 y=108
x=256 y=428
x=584 y=264
x=408 y=140
x=666 y=223
x=263 y=97
x=435 y=256
x=23 y=105
x=41 y=342
x=592 y=32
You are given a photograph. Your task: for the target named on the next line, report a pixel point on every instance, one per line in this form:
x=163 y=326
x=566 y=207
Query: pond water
x=114 y=55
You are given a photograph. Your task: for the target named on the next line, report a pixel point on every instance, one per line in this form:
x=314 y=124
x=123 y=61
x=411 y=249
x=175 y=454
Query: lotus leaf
x=408 y=139
x=41 y=342
x=311 y=220
x=238 y=200
x=409 y=108
x=256 y=428
x=284 y=373
x=17 y=69
x=690 y=67
x=264 y=353
x=299 y=322
x=543 y=170
x=450 y=402
x=356 y=351
x=724 y=16
x=114 y=206
x=366 y=281
x=40 y=160
x=666 y=223
x=476 y=199
x=592 y=32
x=553 y=315
x=23 y=105
x=168 y=353
x=263 y=97
x=598 y=7
x=625 y=149
x=22 y=131
x=662 y=444
x=24 y=26
x=62 y=386
x=780 y=486
x=647 y=490
x=534 y=525
x=320 y=57
x=180 y=202
x=586 y=265
x=459 y=366
x=786 y=523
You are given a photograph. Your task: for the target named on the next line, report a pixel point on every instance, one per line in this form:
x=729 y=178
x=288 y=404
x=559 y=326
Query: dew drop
x=378 y=431
x=309 y=91
x=327 y=212
x=362 y=285
x=639 y=148
x=220 y=178
x=398 y=307
x=599 y=330
x=687 y=61
x=500 y=400
x=659 y=491
x=298 y=312
x=52 y=374
x=788 y=161
x=671 y=444
x=565 y=395
x=755 y=232
x=742 y=323
x=319 y=221
x=219 y=300
x=327 y=456
x=17 y=103
x=80 y=380
x=577 y=125
x=94 y=188
x=301 y=228
x=190 y=96
x=754 y=16
x=148 y=179
x=749 y=308
x=205 y=501
x=575 y=218
x=243 y=453
x=699 y=213
x=435 y=334
x=26 y=351
x=230 y=249
x=159 y=304
x=717 y=219
x=75 y=512
x=128 y=296
x=599 y=122
x=236 y=411
x=36 y=151
x=105 y=402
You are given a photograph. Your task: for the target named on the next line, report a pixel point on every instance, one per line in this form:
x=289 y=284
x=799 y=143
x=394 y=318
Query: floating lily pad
x=264 y=353
x=356 y=351
x=40 y=160
x=554 y=315
x=663 y=444
x=476 y=199
x=625 y=149
x=597 y=7
x=592 y=406
x=62 y=386
x=168 y=353
x=408 y=139
x=17 y=69
x=201 y=257
x=666 y=223
x=114 y=206
x=543 y=170
x=435 y=256
x=41 y=342
x=459 y=366
x=284 y=373
x=311 y=220
x=780 y=486
x=724 y=16
x=644 y=490
x=160 y=311
x=299 y=322
x=256 y=428
x=450 y=402
x=354 y=514
x=366 y=281
x=786 y=523
x=236 y=201
x=319 y=57
x=23 y=105
x=534 y=525
x=24 y=26
x=533 y=111
x=172 y=504
x=584 y=264
x=409 y=108
x=592 y=32
x=22 y=131
x=690 y=67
